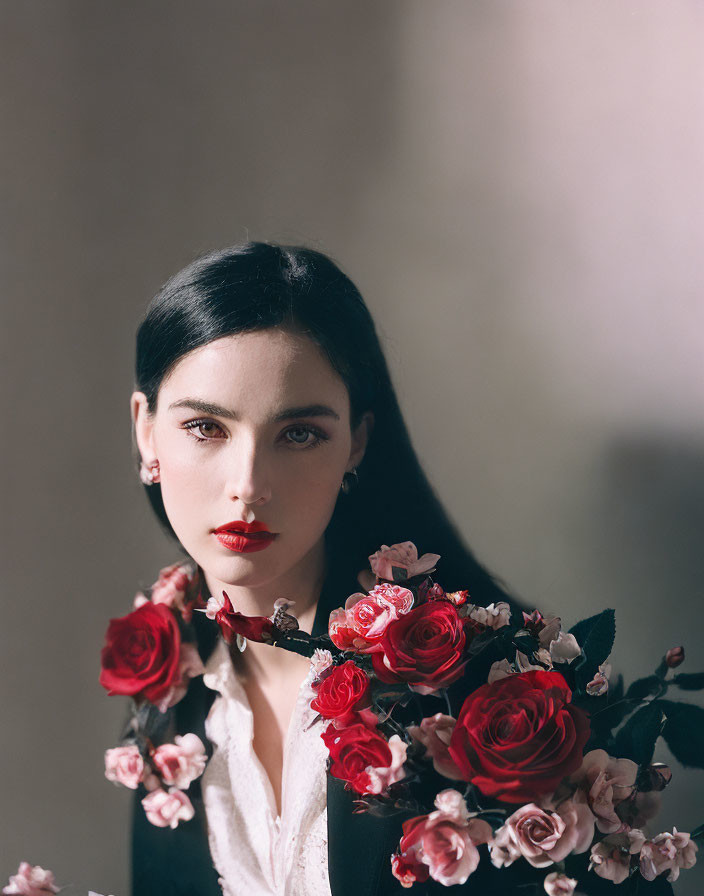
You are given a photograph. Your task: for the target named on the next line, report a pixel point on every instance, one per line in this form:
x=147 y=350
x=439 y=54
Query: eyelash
x=319 y=435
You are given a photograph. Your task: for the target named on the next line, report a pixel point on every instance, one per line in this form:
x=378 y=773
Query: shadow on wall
x=649 y=536
x=651 y=510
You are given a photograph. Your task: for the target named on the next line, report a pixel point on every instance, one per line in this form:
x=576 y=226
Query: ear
x=360 y=439
x=143 y=424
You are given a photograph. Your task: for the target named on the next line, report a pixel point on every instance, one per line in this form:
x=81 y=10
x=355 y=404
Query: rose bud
x=232 y=623
x=431 y=591
x=458 y=598
x=281 y=618
x=674 y=657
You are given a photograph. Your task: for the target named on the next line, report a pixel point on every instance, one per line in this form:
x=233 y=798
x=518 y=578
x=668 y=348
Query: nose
x=248 y=473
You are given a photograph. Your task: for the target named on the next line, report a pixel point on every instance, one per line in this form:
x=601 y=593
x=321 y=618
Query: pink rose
x=434 y=734
x=181 y=762
x=543 y=837
x=380 y=779
x=530 y=832
x=172 y=586
x=579 y=828
x=639 y=809
x=365 y=618
x=607 y=782
x=124 y=765
x=560 y=646
x=31 y=880
x=503 y=848
x=167 y=809
x=500 y=669
x=557 y=884
x=495 y=616
x=400 y=562
x=564 y=648
x=667 y=852
x=611 y=857
x=442 y=844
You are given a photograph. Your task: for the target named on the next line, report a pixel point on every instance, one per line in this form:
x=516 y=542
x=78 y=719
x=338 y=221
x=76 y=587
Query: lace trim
x=256 y=852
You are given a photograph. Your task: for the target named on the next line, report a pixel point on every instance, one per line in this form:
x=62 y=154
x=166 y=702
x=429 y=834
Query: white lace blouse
x=256 y=852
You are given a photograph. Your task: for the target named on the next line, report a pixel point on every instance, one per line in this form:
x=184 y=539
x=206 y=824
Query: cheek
x=186 y=478
x=310 y=495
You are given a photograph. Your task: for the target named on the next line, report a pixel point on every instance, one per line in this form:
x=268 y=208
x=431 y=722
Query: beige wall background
x=518 y=190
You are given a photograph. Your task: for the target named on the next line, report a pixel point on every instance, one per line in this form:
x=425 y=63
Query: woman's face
x=251 y=427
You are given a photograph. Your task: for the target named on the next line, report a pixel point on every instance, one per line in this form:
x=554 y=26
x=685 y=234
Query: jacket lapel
x=178 y=862
x=359 y=847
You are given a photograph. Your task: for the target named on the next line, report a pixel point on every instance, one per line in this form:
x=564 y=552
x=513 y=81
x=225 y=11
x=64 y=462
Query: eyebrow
x=295 y=413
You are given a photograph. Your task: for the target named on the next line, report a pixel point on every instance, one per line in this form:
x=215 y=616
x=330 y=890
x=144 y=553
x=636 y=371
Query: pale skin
x=252 y=465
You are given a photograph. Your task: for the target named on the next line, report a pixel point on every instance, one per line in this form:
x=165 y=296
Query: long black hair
x=257 y=286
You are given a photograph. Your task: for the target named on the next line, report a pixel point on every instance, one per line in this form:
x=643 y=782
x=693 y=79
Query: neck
x=302 y=584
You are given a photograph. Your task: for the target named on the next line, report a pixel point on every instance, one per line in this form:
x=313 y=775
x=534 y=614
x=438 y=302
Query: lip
x=240 y=527
x=242 y=543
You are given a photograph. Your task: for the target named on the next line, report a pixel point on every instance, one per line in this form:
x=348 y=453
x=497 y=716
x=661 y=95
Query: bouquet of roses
x=538 y=768
x=150 y=655
x=545 y=764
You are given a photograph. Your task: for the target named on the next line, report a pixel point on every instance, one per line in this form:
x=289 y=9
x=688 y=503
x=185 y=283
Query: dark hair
x=258 y=286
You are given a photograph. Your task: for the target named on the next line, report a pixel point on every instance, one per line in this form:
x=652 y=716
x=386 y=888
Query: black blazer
x=177 y=862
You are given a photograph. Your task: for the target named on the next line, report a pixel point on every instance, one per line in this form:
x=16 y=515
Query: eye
x=207 y=428
x=299 y=436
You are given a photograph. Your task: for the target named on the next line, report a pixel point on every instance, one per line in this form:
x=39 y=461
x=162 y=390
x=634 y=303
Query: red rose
x=141 y=653
x=517 y=738
x=424 y=648
x=343 y=690
x=352 y=750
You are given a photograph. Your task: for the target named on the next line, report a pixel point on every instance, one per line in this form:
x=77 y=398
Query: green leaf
x=697 y=832
x=684 y=732
x=583 y=628
x=689 y=681
x=596 y=638
x=644 y=687
x=636 y=739
x=526 y=643
x=658 y=887
x=399 y=573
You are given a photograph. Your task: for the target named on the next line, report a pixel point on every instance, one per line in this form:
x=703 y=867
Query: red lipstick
x=243 y=538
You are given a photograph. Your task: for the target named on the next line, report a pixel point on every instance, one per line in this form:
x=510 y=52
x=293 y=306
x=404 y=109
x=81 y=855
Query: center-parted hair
x=259 y=286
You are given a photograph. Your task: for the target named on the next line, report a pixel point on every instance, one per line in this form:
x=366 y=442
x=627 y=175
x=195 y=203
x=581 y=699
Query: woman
x=263 y=397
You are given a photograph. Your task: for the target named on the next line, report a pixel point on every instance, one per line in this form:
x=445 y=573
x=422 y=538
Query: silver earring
x=241 y=643
x=349 y=481
x=149 y=473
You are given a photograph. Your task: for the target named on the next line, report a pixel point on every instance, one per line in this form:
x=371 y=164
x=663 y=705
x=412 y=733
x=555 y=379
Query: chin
x=246 y=570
